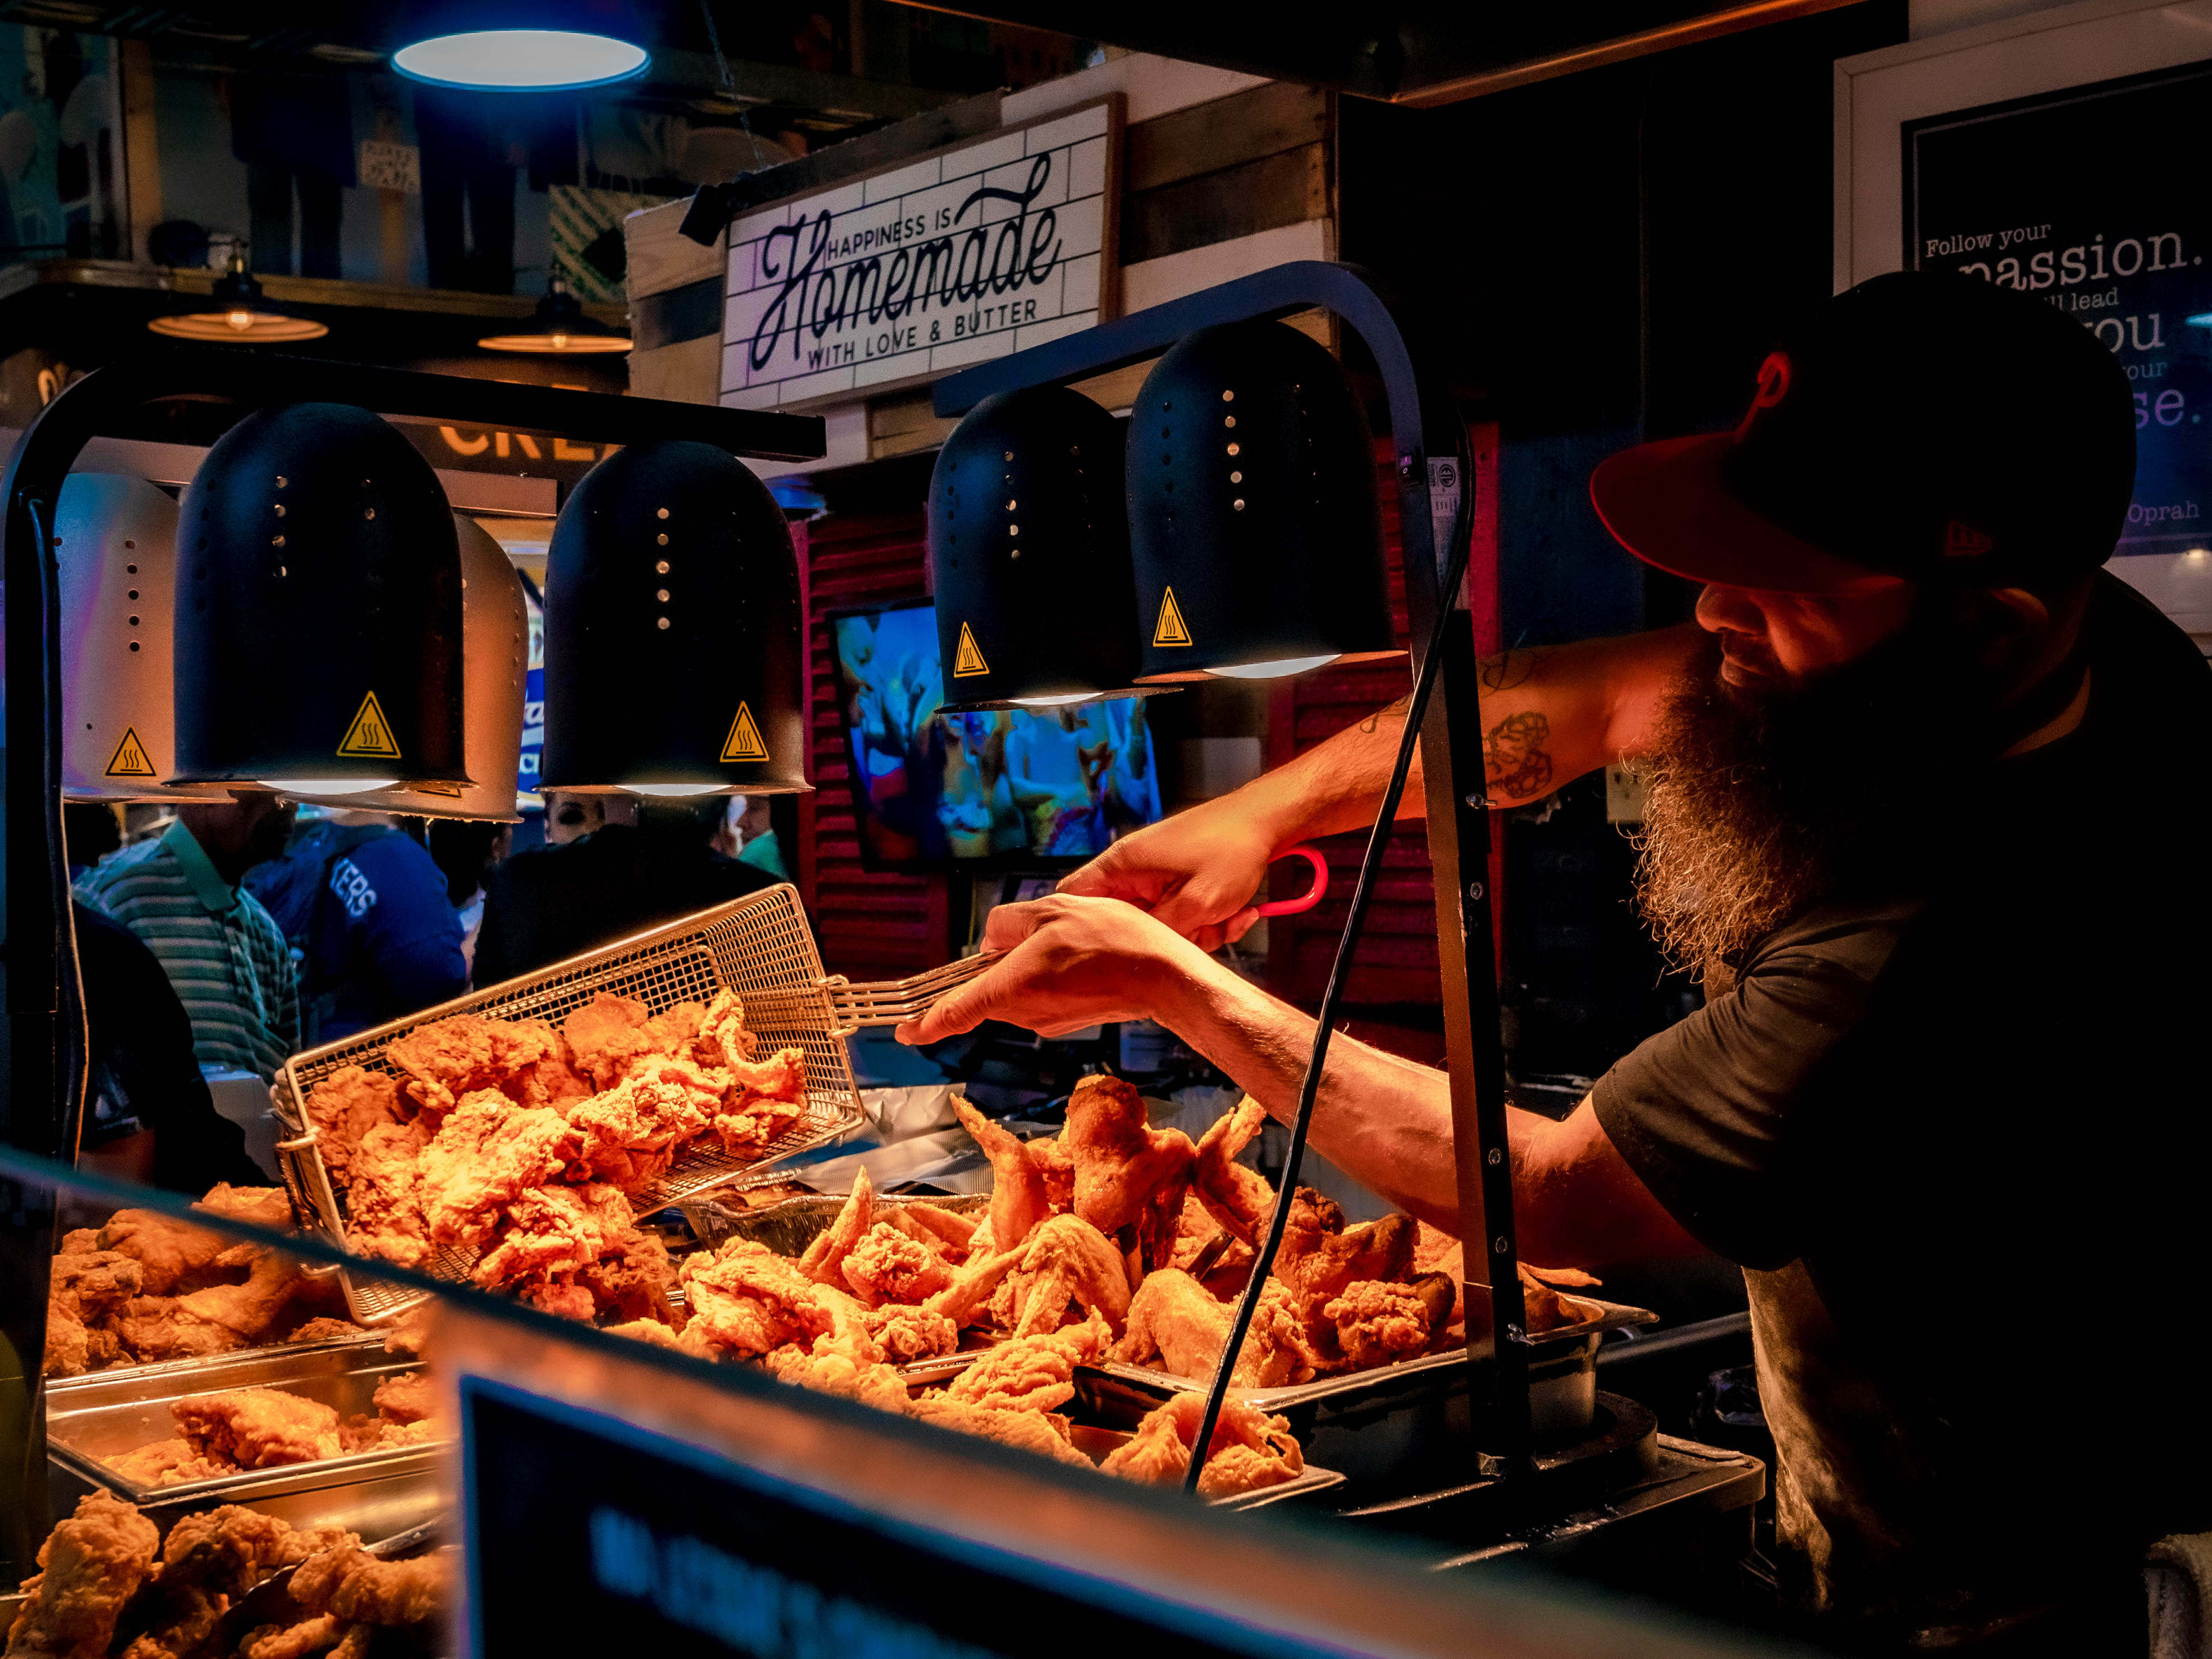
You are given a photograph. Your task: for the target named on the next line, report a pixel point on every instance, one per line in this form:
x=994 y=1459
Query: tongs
x=880 y=1002
x=269 y=1601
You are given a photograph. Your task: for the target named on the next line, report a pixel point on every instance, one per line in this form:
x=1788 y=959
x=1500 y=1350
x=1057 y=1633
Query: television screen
x=1014 y=787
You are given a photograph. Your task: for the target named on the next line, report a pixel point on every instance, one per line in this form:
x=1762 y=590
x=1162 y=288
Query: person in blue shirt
x=367 y=911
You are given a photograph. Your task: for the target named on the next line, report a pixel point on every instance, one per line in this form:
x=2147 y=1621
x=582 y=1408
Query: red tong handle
x=1312 y=896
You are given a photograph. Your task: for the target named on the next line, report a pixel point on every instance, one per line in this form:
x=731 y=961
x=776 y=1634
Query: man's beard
x=1759 y=803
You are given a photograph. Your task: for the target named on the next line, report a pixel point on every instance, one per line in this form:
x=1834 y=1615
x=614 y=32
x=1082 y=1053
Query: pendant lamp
x=1254 y=520
x=318 y=610
x=115 y=550
x=238 y=315
x=673 y=635
x=559 y=328
x=520 y=46
x=495 y=659
x=1029 y=555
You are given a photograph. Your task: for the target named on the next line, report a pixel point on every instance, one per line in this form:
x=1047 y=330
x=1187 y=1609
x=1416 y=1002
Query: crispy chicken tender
x=887 y=1265
x=1067 y=1257
x=631 y=1133
x=745 y=1300
x=1238 y=1198
x=90 y=1566
x=258 y=1428
x=384 y=1202
x=345 y=1106
x=488 y=1152
x=449 y=1058
x=823 y=1260
x=906 y=1334
x=1249 y=1450
x=555 y=1229
x=1177 y=1320
x=208 y=1561
x=1019 y=1201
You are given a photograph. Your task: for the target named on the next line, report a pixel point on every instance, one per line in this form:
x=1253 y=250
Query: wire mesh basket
x=758 y=946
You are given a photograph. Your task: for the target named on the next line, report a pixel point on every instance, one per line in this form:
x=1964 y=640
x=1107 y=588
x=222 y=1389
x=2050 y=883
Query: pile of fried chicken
x=147 y=1287
x=521 y=1146
x=110 y=1583
x=239 y=1429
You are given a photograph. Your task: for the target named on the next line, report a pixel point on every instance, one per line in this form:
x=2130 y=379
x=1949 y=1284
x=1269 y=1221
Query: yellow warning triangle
x=968 y=658
x=1171 y=629
x=743 y=743
x=370 y=735
x=129 y=760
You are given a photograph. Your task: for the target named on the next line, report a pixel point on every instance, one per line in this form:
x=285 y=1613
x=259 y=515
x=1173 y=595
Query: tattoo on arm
x=1513 y=757
x=1400 y=709
x=1503 y=673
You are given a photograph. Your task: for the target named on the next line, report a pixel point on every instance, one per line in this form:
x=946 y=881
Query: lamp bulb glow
x=1282 y=668
x=560 y=342
x=326 y=786
x=520 y=60
x=240 y=320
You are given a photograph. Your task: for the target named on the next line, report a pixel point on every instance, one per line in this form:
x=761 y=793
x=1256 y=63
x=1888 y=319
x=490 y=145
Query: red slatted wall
x=1396 y=962
x=871 y=924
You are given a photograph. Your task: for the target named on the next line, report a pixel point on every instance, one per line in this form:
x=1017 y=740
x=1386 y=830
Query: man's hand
x=1196 y=872
x=1071 y=963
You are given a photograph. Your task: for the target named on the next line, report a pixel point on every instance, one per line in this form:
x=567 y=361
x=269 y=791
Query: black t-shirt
x=1953 y=1125
x=552 y=903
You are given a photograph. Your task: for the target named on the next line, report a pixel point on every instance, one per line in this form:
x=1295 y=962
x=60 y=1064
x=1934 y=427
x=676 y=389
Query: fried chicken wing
x=1547 y=1309
x=1374 y=1250
x=950 y=1230
x=555 y=1229
x=90 y=1566
x=252 y=1308
x=258 y=1428
x=1240 y=1198
x=970 y=1292
x=1018 y=1190
x=1176 y=1320
x=345 y=1106
x=887 y=1265
x=1067 y=1257
x=1126 y=1173
x=824 y=1259
x=487 y=1153
x=324 y=1328
x=746 y=1300
x=1249 y=1450
x=384 y=1201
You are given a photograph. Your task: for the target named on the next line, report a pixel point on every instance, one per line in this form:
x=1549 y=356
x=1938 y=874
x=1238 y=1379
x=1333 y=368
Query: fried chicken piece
x=906 y=1334
x=84 y=1289
x=633 y=1281
x=1380 y=1323
x=1178 y=1320
x=150 y=1330
x=1546 y=1309
x=324 y=1328
x=1374 y=1250
x=1017 y=1189
x=258 y=1428
x=488 y=1152
x=561 y=1297
x=90 y=1566
x=949 y=1229
x=605 y=1035
x=745 y=1300
x=1249 y=1448
x=652 y=1331
x=1436 y=1251
x=630 y=1134
x=407 y=1397
x=208 y=1561
x=464 y=1053
x=971 y=1291
x=823 y=1260
x=373 y=1434
x=411 y=1331
x=167 y=1463
x=831 y=1370
x=889 y=1266
x=1126 y=1173
x=721 y=1038
x=350 y=1583
x=249 y=1311
x=384 y=1201
x=1240 y=1198
x=1067 y=1257
x=1034 y=1431
x=1031 y=1373
x=345 y=1106
x=770 y=1096
x=263 y=1206
x=555 y=1229
x=173 y=1254
x=325 y=1633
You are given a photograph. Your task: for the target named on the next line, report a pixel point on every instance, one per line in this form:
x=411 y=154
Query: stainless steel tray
x=759 y=946
x=91 y=1418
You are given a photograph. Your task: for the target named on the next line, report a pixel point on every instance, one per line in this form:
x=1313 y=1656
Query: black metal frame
x=1452 y=766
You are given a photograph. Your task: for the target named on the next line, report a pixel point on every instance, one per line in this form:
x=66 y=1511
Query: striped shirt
x=222 y=950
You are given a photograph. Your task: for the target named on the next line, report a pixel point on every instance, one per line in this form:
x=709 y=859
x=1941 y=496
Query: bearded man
x=1925 y=795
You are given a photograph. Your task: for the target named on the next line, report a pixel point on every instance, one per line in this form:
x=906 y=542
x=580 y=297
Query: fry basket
x=758 y=946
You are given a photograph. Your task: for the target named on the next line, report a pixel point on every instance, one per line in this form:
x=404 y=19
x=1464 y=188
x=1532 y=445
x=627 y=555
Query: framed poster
x=893 y=278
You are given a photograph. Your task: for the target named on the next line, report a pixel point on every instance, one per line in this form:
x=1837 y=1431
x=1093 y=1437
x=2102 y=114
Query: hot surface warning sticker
x=369 y=736
x=1170 y=629
x=967 y=659
x=743 y=743
x=130 y=759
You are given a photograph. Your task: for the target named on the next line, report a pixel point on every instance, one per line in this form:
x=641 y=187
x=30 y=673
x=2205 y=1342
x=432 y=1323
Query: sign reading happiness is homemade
x=895 y=278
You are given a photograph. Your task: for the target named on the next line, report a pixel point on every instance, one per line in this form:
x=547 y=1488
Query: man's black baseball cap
x=1924 y=425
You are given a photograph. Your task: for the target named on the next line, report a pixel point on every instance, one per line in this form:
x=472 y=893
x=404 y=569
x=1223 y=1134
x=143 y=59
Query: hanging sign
x=898 y=276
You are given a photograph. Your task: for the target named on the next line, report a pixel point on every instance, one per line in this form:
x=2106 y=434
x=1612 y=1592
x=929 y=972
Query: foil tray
x=103 y=1414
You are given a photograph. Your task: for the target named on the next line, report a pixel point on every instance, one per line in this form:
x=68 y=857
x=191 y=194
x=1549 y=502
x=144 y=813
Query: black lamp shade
x=673 y=634
x=1028 y=553
x=1253 y=521
x=318 y=606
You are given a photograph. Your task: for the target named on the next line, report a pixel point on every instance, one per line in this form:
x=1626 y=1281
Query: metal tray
x=758 y=946
x=105 y=1413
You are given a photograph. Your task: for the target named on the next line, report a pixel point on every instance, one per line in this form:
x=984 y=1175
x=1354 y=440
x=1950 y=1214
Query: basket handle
x=894 y=1002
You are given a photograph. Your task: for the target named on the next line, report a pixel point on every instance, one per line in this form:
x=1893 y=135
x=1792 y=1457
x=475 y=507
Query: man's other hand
x=1071 y=963
x=1196 y=872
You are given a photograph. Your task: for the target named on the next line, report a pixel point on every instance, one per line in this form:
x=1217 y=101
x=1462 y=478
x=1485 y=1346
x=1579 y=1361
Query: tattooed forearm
x=1503 y=673
x=1513 y=757
x=1398 y=709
